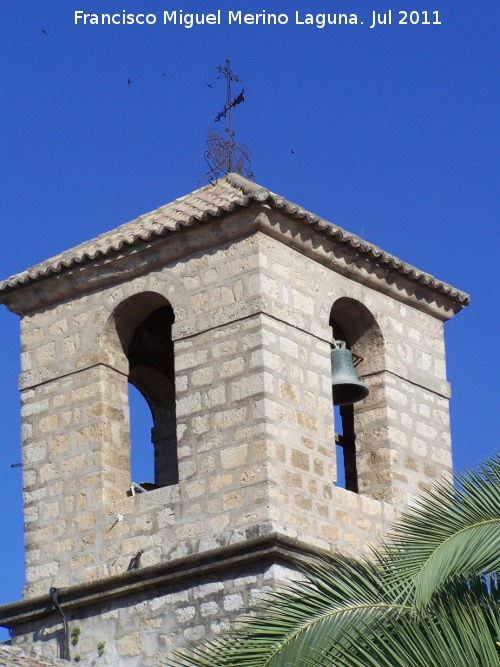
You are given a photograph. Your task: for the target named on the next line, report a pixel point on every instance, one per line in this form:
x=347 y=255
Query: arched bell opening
x=353 y=324
x=343 y=416
x=142 y=466
x=144 y=326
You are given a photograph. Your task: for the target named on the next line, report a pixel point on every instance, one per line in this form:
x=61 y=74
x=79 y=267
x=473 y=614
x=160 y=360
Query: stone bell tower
x=220 y=308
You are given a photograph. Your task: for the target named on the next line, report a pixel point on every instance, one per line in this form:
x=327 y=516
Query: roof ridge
x=247 y=187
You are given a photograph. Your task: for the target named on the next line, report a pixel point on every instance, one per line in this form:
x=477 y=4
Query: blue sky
x=393 y=131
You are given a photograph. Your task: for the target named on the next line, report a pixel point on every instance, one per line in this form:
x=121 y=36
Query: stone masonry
x=240 y=290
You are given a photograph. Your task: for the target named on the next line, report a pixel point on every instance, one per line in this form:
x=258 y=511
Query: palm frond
x=430 y=597
x=337 y=594
x=462 y=634
x=454 y=529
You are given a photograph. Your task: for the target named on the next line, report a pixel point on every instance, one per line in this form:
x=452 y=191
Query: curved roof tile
x=215 y=201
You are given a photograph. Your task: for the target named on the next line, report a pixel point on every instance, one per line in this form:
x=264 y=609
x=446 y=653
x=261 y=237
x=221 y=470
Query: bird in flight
x=164 y=73
x=210 y=86
x=292 y=151
x=44 y=31
x=129 y=82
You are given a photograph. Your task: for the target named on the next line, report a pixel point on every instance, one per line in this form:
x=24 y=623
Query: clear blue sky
x=393 y=132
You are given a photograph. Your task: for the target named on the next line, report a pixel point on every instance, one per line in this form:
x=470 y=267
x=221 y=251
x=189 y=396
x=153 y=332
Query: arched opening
x=144 y=326
x=345 y=445
x=353 y=323
x=142 y=466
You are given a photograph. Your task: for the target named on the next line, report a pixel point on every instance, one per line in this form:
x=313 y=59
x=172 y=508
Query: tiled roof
x=215 y=201
x=14 y=656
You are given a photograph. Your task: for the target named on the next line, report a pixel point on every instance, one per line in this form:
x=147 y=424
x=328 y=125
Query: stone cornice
x=269 y=549
x=215 y=205
x=133 y=261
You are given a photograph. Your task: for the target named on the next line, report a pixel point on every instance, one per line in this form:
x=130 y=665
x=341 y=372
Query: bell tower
x=221 y=309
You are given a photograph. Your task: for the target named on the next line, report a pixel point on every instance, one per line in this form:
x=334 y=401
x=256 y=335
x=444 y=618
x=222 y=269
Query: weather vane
x=223 y=154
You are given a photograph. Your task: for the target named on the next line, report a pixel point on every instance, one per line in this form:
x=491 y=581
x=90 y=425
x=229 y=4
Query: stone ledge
x=389 y=277
x=271 y=548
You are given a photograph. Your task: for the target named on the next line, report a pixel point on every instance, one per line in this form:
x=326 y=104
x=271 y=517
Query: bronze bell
x=346 y=387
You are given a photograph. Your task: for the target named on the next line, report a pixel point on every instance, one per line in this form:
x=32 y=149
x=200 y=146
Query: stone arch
x=352 y=322
x=142 y=325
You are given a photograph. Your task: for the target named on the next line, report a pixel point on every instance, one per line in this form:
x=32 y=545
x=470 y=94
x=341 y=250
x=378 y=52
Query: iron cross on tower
x=223 y=155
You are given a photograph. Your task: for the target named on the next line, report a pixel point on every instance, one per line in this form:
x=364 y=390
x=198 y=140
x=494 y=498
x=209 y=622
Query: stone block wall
x=255 y=431
x=146 y=628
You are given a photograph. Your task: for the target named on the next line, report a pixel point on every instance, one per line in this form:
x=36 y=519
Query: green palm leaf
x=429 y=598
x=455 y=634
x=337 y=594
x=454 y=529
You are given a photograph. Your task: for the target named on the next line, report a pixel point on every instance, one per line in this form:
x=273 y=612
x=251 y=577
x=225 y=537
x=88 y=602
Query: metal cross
x=223 y=155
